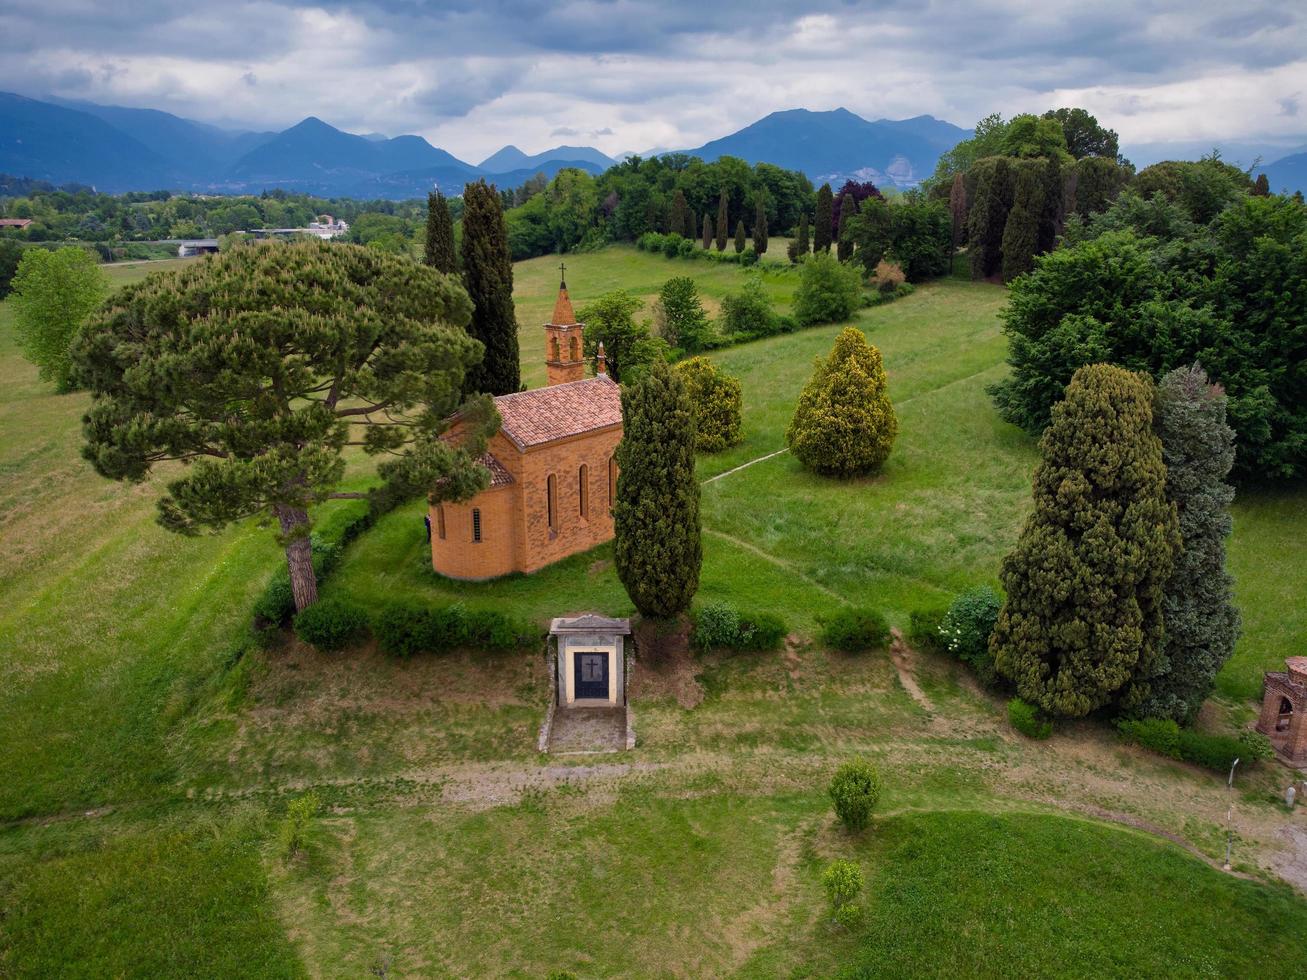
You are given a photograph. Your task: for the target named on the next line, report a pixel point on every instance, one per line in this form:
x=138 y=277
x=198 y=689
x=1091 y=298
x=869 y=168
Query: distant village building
x=325 y=227
x=1284 y=710
x=17 y=223
x=553 y=475
x=197 y=246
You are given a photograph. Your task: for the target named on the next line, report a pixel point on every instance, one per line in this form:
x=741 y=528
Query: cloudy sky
x=472 y=75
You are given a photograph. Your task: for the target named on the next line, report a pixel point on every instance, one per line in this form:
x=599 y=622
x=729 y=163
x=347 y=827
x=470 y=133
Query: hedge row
x=1217 y=752
x=719 y=625
x=855 y=630
x=406 y=628
x=675 y=246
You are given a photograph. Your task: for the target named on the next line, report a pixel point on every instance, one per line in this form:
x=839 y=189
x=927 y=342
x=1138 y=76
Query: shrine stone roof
x=541 y=415
x=590 y=623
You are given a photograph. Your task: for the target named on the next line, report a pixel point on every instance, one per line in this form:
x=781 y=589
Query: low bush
x=1256 y=746
x=719 y=625
x=1216 y=752
x=1025 y=719
x=406 y=628
x=748 y=314
x=854 y=792
x=293 y=833
x=842 y=882
x=829 y=291
x=331 y=624
x=855 y=630
x=923 y=628
x=966 y=627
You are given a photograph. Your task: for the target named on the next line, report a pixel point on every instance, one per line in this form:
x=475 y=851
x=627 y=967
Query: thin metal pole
x=1229 y=812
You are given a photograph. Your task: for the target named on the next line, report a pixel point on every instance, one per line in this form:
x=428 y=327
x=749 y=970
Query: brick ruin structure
x=1284 y=710
x=552 y=472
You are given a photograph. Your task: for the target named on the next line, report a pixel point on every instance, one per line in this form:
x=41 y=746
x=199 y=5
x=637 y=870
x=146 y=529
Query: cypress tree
x=723 y=217
x=439 y=252
x=957 y=206
x=1261 y=186
x=844 y=244
x=822 y=223
x=656 y=544
x=707 y=230
x=676 y=218
x=488 y=275
x=1081 y=627
x=739 y=236
x=844 y=424
x=803 y=247
x=691 y=231
x=1021 y=230
x=760 y=228
x=1202 y=623
x=1052 y=216
x=987 y=215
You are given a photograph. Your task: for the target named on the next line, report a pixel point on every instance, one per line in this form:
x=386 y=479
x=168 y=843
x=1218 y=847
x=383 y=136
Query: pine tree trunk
x=299 y=555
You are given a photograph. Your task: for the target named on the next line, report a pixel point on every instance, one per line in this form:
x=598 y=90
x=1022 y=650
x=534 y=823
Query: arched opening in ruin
x=1285 y=715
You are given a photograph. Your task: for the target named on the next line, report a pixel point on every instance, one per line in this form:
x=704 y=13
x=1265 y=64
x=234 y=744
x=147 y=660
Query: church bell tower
x=564 y=347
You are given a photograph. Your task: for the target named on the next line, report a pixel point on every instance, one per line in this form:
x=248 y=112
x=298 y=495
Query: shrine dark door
x=591 y=675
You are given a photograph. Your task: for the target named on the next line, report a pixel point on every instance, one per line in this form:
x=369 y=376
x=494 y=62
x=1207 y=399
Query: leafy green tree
x=723 y=216
x=656 y=545
x=844 y=244
x=1081 y=627
x=740 y=237
x=628 y=346
x=488 y=276
x=1083 y=136
x=10 y=254
x=715 y=399
x=1203 y=187
x=707 y=231
x=748 y=314
x=1029 y=136
x=919 y=238
x=991 y=200
x=1021 y=230
x=257 y=367
x=822 y=223
x=1202 y=622
x=760 y=228
x=679 y=315
x=53 y=295
x=844 y=424
x=828 y=291
x=871 y=231
x=986 y=141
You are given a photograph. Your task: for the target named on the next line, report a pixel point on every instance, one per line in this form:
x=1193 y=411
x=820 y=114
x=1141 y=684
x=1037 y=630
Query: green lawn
x=146 y=768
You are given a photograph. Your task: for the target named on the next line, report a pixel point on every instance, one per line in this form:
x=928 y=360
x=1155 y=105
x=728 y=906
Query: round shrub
x=748 y=314
x=855 y=630
x=844 y=424
x=1025 y=719
x=924 y=628
x=672 y=245
x=965 y=629
x=842 y=881
x=848 y=915
x=715 y=399
x=829 y=291
x=331 y=624
x=716 y=624
x=854 y=791
x=1256 y=746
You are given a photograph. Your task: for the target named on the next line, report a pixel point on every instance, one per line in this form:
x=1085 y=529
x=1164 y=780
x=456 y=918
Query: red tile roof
x=499 y=477
x=532 y=418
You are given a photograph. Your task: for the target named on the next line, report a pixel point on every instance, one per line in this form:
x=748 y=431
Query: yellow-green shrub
x=715 y=399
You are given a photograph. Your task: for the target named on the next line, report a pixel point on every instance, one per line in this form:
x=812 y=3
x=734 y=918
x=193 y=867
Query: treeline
x=78 y=213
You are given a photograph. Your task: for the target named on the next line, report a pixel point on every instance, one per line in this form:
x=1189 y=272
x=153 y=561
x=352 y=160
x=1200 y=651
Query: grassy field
x=146 y=769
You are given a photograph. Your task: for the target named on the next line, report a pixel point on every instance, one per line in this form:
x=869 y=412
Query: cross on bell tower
x=564 y=357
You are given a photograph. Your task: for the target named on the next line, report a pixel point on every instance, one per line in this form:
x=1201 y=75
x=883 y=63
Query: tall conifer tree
x=656 y=544
x=987 y=215
x=1021 y=231
x=1081 y=627
x=723 y=216
x=957 y=206
x=1202 y=623
x=439 y=252
x=488 y=274
x=676 y=219
x=760 y=228
x=821 y=228
x=691 y=224
x=707 y=230
x=739 y=236
x=843 y=244
x=803 y=247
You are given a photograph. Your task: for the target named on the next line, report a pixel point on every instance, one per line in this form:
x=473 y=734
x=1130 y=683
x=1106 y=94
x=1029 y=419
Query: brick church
x=552 y=472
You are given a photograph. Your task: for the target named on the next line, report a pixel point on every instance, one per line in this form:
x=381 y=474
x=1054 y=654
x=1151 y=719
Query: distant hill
x=837 y=145
x=511 y=158
x=1288 y=173
x=50 y=142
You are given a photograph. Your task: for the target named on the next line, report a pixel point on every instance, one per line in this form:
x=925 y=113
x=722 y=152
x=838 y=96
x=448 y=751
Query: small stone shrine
x=1284 y=710
x=589 y=664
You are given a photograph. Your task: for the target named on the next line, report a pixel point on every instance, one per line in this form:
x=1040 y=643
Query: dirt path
x=901 y=655
x=742 y=466
x=767 y=556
